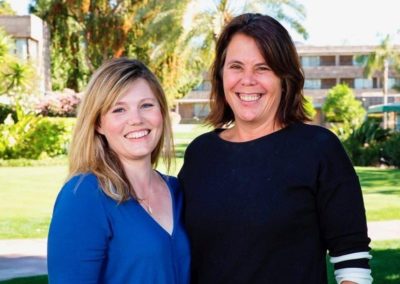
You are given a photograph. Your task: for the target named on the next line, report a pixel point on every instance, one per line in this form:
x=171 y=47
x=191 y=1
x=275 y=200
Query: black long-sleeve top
x=267 y=210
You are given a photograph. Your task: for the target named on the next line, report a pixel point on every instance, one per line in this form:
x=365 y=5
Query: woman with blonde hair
x=117 y=220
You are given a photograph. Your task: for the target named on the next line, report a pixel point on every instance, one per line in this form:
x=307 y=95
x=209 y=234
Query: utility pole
x=385 y=90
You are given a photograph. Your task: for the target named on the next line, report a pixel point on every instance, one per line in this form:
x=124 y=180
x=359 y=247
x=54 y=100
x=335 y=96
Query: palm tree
x=378 y=61
x=206 y=24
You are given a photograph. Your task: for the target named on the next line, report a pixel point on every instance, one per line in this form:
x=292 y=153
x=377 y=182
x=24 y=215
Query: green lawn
x=385 y=266
x=27 y=193
x=381 y=190
x=27 y=196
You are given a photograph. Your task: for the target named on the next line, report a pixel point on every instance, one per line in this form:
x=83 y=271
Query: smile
x=250 y=97
x=137 y=134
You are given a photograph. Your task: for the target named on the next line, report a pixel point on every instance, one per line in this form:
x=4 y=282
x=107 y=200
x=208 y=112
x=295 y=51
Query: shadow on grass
x=385 y=265
x=374 y=177
x=42 y=279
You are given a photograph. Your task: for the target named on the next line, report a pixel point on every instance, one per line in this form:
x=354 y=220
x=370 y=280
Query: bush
x=364 y=144
x=391 y=150
x=34 y=137
x=59 y=105
x=5 y=110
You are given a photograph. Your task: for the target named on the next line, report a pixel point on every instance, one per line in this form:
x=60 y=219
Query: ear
x=99 y=129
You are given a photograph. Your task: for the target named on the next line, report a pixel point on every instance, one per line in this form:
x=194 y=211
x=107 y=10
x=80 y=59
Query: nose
x=134 y=118
x=248 y=78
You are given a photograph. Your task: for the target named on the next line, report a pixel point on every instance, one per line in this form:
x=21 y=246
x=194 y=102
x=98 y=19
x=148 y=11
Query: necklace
x=146 y=204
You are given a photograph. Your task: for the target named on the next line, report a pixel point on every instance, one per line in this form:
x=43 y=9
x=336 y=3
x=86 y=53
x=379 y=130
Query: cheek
x=156 y=118
x=229 y=80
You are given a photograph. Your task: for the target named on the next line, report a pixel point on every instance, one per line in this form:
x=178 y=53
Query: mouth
x=137 y=134
x=249 y=97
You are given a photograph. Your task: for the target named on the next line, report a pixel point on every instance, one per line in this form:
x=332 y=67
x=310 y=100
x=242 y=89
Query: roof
x=195 y=96
x=393 y=107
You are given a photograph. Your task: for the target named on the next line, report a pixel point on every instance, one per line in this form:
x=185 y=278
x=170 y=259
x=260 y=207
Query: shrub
x=5 y=110
x=391 y=150
x=59 y=105
x=34 y=137
x=364 y=144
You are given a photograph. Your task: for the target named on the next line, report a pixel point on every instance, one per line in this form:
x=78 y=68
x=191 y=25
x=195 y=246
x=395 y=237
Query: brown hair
x=279 y=52
x=89 y=150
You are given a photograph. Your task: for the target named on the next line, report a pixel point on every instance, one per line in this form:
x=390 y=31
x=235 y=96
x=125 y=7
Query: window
x=21 y=48
x=360 y=60
x=375 y=83
x=346 y=60
x=392 y=82
x=362 y=83
x=348 y=81
x=309 y=61
x=312 y=84
x=327 y=61
x=328 y=83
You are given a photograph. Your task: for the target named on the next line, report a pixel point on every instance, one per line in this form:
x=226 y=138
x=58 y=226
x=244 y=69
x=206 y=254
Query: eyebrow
x=240 y=62
x=144 y=99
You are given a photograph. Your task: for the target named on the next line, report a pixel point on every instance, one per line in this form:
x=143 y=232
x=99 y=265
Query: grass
x=385 y=262
x=42 y=279
x=381 y=191
x=27 y=193
x=27 y=196
x=385 y=266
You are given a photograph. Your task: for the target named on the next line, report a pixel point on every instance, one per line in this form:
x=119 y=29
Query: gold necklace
x=146 y=204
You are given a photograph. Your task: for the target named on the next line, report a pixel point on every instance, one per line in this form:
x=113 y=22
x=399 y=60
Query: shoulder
x=81 y=184
x=312 y=131
x=205 y=139
x=171 y=181
x=82 y=189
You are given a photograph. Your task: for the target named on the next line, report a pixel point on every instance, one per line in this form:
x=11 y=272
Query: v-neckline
x=154 y=221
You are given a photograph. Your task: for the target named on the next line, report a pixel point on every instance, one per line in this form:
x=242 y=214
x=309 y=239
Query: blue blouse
x=92 y=239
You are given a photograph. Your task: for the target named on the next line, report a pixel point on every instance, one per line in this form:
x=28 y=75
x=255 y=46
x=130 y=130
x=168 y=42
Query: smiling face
x=252 y=89
x=134 y=124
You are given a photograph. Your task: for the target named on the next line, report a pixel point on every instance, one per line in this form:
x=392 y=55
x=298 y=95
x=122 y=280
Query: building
x=31 y=43
x=324 y=67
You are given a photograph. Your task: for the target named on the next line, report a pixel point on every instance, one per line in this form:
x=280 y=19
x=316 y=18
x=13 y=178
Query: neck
x=140 y=175
x=242 y=131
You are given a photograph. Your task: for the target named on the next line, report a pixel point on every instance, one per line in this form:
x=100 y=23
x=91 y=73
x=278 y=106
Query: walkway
x=21 y=258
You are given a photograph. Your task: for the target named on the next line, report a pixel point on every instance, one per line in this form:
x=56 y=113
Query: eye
x=263 y=68
x=147 y=105
x=118 y=110
x=235 y=66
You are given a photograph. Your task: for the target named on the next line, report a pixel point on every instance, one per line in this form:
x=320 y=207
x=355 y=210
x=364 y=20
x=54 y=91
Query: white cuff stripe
x=357 y=275
x=350 y=256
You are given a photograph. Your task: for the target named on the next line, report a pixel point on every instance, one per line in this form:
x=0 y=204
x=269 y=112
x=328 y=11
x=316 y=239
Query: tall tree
x=205 y=19
x=87 y=32
x=5 y=8
x=386 y=55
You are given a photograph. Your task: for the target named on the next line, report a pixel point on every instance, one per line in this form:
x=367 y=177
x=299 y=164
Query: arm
x=342 y=214
x=77 y=241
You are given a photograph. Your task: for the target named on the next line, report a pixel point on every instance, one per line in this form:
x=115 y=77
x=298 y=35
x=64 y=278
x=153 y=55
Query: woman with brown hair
x=266 y=195
x=117 y=220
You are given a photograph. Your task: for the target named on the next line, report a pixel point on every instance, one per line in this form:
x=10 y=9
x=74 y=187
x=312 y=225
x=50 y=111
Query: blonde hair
x=89 y=151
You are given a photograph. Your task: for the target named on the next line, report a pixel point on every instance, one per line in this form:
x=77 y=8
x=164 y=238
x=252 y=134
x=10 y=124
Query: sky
x=334 y=22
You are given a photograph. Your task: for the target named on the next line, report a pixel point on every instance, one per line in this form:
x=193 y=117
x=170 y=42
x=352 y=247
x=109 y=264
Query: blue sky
x=335 y=22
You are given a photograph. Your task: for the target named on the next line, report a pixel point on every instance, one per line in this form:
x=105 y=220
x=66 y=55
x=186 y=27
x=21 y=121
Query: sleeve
x=342 y=213
x=78 y=235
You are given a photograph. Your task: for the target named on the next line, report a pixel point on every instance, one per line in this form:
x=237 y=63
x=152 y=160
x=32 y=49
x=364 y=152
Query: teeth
x=137 y=134
x=249 y=97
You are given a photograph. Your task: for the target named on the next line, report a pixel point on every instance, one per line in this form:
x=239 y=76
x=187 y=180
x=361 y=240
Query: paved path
x=21 y=258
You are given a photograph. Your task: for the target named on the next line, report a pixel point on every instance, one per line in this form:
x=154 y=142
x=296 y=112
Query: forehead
x=243 y=47
x=136 y=91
